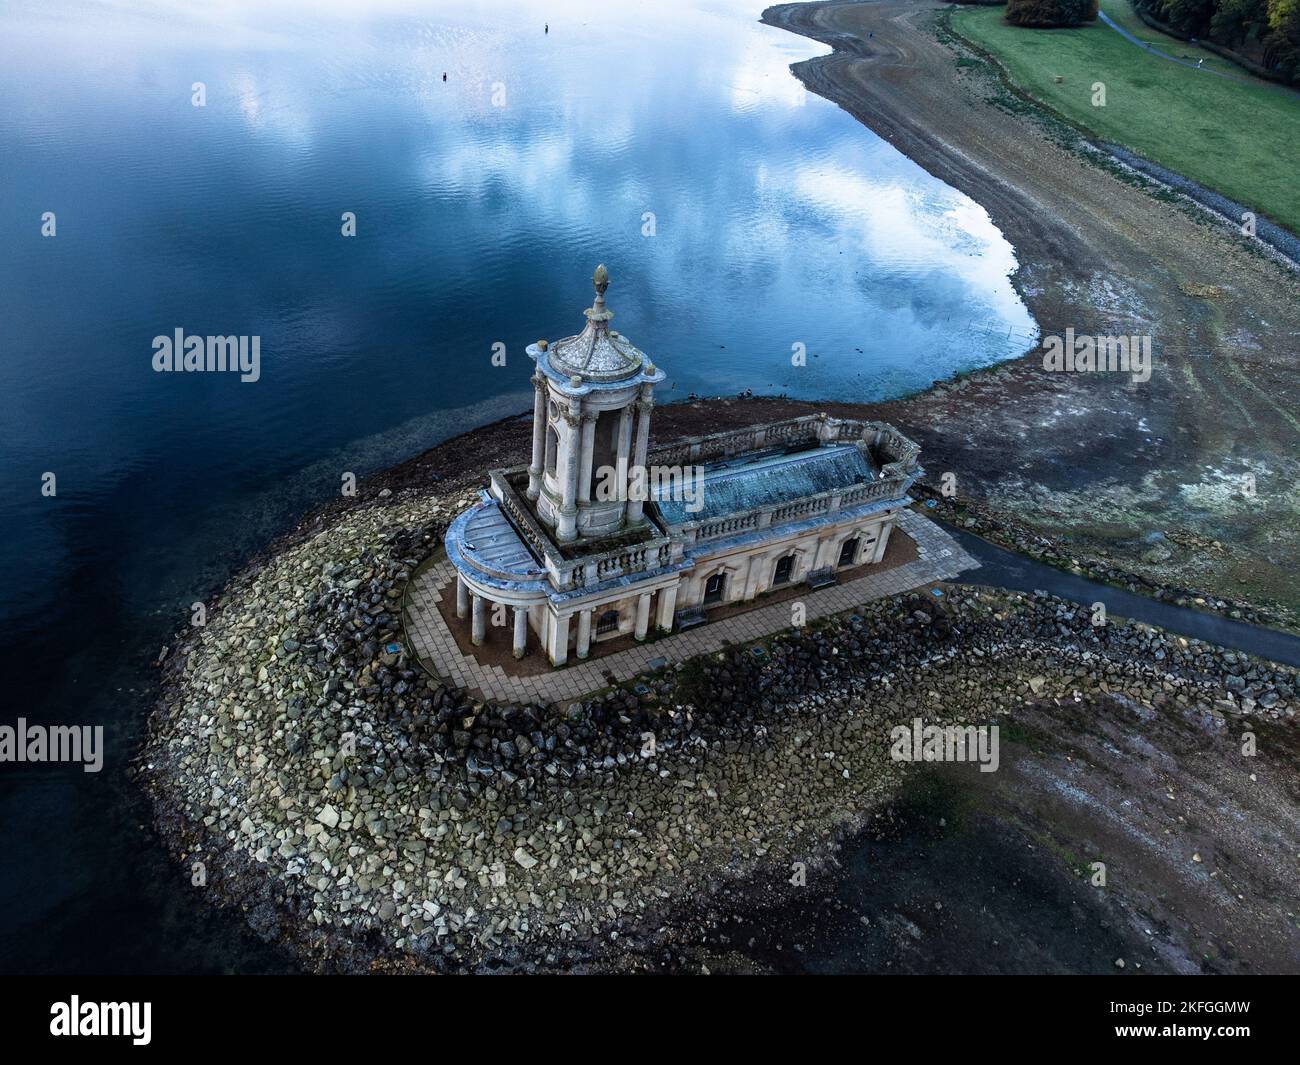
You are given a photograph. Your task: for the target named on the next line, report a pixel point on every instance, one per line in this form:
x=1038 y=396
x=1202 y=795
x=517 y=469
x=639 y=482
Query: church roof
x=769 y=479
x=597 y=354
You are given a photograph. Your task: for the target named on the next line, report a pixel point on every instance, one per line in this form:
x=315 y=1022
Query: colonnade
x=469 y=602
x=475 y=606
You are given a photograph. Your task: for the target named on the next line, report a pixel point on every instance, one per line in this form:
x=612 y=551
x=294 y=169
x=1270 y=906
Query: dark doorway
x=714 y=587
x=604 y=453
x=784 y=567
x=849 y=551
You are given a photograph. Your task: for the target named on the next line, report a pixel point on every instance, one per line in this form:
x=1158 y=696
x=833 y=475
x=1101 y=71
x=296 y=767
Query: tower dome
x=598 y=354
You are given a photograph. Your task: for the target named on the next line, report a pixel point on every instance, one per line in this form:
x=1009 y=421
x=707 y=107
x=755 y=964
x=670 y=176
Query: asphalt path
x=1000 y=568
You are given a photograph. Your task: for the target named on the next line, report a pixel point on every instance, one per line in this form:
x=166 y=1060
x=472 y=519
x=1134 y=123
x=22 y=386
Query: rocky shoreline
x=373 y=819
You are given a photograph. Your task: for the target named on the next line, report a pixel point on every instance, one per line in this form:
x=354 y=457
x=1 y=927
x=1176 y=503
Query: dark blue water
x=482 y=204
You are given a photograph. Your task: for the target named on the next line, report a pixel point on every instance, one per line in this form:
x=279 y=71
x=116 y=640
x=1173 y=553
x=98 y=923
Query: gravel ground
x=1275 y=236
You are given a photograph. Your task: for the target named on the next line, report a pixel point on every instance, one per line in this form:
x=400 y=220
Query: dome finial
x=599 y=313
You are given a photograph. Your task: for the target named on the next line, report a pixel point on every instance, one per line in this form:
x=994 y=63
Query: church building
x=602 y=536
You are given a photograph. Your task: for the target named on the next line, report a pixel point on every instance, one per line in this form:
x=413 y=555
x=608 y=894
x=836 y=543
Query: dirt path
x=1112 y=464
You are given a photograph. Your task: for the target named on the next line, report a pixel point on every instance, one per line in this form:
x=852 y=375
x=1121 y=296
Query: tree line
x=1264 y=35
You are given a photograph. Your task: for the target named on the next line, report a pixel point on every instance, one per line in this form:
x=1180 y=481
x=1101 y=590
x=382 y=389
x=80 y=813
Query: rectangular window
x=713 y=588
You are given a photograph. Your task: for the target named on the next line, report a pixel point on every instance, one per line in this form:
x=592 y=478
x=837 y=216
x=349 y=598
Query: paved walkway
x=939 y=558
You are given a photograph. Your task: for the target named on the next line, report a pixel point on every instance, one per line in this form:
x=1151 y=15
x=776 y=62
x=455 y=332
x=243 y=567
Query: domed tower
x=593 y=392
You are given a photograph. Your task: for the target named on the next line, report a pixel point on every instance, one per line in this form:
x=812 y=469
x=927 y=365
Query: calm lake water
x=482 y=204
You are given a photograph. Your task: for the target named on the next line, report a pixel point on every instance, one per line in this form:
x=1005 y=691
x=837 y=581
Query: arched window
x=784 y=568
x=607 y=622
x=552 y=447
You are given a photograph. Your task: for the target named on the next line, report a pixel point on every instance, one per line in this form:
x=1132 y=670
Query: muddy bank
x=1104 y=462
x=971 y=873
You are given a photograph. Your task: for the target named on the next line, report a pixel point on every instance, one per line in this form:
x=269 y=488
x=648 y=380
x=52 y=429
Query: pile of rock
x=369 y=814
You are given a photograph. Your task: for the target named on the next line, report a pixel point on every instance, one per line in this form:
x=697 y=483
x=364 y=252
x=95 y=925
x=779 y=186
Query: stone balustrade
x=566 y=573
x=831 y=502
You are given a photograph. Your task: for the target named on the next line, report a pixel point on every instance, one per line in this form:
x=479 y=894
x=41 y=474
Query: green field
x=1242 y=140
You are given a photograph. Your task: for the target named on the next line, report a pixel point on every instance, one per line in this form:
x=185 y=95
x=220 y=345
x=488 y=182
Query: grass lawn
x=1242 y=140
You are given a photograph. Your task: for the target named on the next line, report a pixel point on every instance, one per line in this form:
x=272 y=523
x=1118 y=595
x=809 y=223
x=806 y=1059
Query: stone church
x=601 y=535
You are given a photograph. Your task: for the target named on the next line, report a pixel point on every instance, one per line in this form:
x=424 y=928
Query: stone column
x=667 y=607
x=479 y=626
x=644 y=407
x=539 y=436
x=803 y=560
x=642 y=616
x=883 y=532
x=559 y=649
x=588 y=456
x=584 y=633
x=462 y=596
x=567 y=527
x=520 y=647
